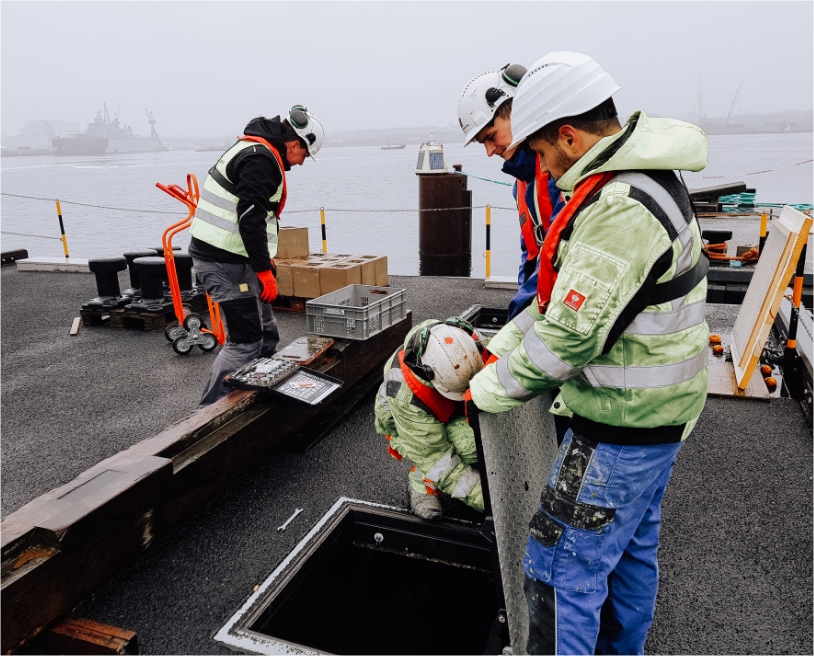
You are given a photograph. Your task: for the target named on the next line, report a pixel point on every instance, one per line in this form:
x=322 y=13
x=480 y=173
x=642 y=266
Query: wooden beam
x=82 y=636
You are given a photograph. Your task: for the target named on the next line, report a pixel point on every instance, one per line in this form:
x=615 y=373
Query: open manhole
x=369 y=579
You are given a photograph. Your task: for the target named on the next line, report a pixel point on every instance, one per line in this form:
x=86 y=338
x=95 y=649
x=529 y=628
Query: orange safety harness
x=528 y=228
x=547 y=275
x=279 y=159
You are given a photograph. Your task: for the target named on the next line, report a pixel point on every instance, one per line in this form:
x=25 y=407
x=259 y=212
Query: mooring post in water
x=445 y=216
x=62 y=230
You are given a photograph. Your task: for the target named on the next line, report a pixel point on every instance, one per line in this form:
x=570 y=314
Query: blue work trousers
x=590 y=562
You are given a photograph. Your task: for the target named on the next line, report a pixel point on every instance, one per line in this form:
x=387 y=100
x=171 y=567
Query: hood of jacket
x=272 y=130
x=644 y=144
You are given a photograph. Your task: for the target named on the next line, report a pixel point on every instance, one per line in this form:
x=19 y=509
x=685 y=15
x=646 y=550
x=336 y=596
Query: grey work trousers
x=251 y=328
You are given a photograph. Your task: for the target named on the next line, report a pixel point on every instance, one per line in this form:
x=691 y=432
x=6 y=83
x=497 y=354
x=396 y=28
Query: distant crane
x=734 y=100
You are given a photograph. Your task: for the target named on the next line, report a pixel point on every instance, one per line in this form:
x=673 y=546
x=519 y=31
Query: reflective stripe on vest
x=216 y=221
x=444 y=466
x=662 y=375
x=465 y=484
x=665 y=323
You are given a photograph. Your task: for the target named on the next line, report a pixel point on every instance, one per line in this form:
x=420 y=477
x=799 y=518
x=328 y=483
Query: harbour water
x=363 y=178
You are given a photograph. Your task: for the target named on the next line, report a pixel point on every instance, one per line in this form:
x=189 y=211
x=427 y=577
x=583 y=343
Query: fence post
x=488 y=241
x=62 y=230
x=324 y=236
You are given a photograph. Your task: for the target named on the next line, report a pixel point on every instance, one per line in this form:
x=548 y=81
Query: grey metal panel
x=519 y=447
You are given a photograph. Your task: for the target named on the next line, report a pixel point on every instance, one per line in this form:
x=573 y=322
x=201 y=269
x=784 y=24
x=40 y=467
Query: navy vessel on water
x=106 y=136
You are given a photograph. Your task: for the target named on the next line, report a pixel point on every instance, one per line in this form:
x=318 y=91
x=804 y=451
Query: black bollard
x=183 y=269
x=135 y=283
x=106 y=270
x=444 y=237
x=160 y=249
x=152 y=271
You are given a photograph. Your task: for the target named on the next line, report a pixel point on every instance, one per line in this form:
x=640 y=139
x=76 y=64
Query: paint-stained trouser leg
x=605 y=553
x=235 y=288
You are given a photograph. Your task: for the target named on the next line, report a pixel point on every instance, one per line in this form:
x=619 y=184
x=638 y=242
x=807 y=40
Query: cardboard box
x=336 y=275
x=306 y=279
x=285 y=277
x=368 y=266
x=292 y=243
x=381 y=271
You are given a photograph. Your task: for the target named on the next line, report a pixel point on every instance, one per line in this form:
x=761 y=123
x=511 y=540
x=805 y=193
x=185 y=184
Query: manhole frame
x=236 y=634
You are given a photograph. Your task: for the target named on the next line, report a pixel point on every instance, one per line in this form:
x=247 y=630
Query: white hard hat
x=307 y=127
x=451 y=356
x=559 y=85
x=482 y=96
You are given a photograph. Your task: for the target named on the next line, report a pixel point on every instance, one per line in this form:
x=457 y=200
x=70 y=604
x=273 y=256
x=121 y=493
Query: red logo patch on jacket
x=574 y=300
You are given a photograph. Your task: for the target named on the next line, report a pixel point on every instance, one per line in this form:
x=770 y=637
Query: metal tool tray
x=284 y=379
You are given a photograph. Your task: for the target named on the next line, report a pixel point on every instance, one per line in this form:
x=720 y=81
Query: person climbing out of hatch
x=419 y=409
x=484 y=114
x=234 y=235
x=620 y=327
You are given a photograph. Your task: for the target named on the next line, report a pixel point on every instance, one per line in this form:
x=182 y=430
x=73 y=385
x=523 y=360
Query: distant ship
x=108 y=137
x=390 y=146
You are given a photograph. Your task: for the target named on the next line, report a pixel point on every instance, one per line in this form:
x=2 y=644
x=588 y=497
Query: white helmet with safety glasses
x=308 y=128
x=448 y=355
x=483 y=95
x=559 y=85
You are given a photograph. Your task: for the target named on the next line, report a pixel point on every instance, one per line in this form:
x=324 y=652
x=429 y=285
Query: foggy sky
x=205 y=68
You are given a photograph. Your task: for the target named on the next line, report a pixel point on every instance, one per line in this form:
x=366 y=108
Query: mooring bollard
x=135 y=282
x=445 y=216
x=106 y=270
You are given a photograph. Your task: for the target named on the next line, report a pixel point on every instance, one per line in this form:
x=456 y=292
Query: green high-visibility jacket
x=619 y=363
x=216 y=220
x=443 y=453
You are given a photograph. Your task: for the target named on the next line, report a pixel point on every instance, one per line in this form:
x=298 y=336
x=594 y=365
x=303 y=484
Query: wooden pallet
x=289 y=303
x=95 y=317
x=123 y=319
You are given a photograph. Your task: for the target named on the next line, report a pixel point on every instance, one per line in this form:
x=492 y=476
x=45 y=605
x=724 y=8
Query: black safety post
x=791 y=360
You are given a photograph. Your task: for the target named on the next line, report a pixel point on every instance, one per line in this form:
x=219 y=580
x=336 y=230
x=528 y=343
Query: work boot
x=426 y=506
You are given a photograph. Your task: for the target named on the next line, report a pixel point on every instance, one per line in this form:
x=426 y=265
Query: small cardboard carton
x=336 y=275
x=380 y=262
x=285 y=277
x=306 y=279
x=292 y=243
x=368 y=266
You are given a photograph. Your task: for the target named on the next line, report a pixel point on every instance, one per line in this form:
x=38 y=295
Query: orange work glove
x=269 y=291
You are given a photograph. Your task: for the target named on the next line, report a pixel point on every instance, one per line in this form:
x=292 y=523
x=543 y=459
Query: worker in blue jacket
x=484 y=114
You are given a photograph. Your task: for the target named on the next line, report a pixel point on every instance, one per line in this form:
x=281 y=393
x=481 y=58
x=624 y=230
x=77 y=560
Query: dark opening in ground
x=380 y=582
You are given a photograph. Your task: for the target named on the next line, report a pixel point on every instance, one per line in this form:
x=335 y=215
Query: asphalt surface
x=736 y=554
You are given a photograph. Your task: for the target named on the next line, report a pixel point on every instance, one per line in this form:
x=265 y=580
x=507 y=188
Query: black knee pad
x=243 y=320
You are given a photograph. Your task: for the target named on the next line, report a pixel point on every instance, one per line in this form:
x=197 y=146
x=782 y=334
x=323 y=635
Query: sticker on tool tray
x=307 y=387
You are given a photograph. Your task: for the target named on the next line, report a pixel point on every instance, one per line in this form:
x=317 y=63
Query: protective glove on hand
x=269 y=291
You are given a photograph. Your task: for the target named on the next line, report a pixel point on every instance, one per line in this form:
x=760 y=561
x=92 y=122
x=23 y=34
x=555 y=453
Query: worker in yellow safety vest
x=234 y=234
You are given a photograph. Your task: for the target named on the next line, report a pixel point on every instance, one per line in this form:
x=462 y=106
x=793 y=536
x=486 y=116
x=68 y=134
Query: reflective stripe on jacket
x=216 y=220
x=620 y=360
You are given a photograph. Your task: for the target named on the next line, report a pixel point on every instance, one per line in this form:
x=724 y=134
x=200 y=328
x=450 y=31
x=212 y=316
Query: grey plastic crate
x=356 y=311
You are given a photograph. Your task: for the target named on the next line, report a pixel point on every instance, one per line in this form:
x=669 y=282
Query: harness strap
x=441 y=407
x=547 y=275
x=279 y=159
x=682 y=285
x=526 y=222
